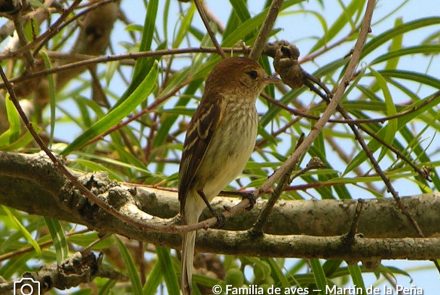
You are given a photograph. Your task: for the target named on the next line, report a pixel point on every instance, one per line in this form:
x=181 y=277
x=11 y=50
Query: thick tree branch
x=32 y=184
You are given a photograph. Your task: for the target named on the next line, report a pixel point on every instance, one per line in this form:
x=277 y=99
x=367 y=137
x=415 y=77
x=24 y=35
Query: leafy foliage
x=137 y=135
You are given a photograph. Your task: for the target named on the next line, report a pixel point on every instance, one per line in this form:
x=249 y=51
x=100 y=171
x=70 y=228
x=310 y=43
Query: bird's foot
x=221 y=219
x=251 y=198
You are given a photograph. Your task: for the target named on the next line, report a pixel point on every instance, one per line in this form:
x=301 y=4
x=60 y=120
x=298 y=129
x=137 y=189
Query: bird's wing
x=198 y=137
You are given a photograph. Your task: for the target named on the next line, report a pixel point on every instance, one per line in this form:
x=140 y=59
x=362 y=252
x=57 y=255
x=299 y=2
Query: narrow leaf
x=319 y=274
x=21 y=228
x=168 y=272
x=58 y=237
x=52 y=95
x=131 y=268
x=118 y=113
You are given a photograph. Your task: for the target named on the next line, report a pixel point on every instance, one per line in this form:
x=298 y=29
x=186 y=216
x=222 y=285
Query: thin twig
x=158 y=101
x=264 y=32
x=348 y=120
x=54 y=28
x=324 y=49
x=257 y=228
x=382 y=175
x=349 y=237
x=61 y=24
x=261 y=142
x=331 y=108
x=308 y=141
x=340 y=150
x=18 y=23
x=205 y=20
x=101 y=59
x=75 y=182
x=388 y=184
x=296 y=112
x=213 y=18
x=28 y=249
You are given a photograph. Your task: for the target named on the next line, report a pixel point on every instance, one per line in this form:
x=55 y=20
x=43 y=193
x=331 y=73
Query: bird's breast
x=230 y=148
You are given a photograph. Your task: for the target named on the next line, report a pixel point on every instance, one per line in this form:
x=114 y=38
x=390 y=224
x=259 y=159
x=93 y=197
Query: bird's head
x=240 y=75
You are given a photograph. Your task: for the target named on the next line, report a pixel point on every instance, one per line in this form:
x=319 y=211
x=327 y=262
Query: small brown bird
x=219 y=141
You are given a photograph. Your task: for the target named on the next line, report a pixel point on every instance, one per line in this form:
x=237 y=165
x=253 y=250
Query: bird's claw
x=251 y=198
x=221 y=220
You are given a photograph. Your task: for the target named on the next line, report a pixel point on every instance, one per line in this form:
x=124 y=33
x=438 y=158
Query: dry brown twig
x=264 y=32
x=309 y=139
x=203 y=15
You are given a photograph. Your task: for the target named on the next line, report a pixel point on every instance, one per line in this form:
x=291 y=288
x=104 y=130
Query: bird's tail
x=193 y=209
x=189 y=240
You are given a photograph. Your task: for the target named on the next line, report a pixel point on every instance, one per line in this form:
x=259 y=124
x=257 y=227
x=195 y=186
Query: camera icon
x=27 y=286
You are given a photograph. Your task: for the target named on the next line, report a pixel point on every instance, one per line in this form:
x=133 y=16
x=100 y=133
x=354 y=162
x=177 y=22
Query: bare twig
x=18 y=23
x=264 y=32
x=158 y=101
x=298 y=113
x=331 y=108
x=213 y=18
x=326 y=48
x=348 y=120
x=63 y=170
x=257 y=229
x=94 y=60
x=55 y=27
x=200 y=8
x=349 y=238
x=28 y=249
x=308 y=141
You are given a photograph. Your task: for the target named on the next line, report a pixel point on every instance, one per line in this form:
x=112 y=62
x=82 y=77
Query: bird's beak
x=272 y=79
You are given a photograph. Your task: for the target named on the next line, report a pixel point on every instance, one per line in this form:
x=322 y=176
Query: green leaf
x=391 y=127
x=118 y=113
x=143 y=65
x=396 y=44
x=166 y=12
x=106 y=288
x=22 y=229
x=390 y=34
x=356 y=276
x=277 y=273
x=153 y=280
x=21 y=142
x=184 y=26
x=423 y=49
x=412 y=76
x=131 y=268
x=319 y=274
x=239 y=8
x=13 y=131
x=168 y=121
x=249 y=25
x=58 y=237
x=343 y=19
x=167 y=270
x=147 y=38
x=313 y=13
x=51 y=91
x=373 y=145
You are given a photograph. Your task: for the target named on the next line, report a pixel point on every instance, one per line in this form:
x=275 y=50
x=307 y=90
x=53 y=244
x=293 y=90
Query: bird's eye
x=252 y=74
